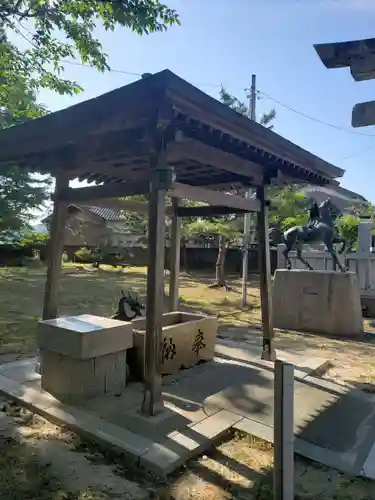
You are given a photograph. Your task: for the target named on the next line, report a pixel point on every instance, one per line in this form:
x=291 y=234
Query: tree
x=54 y=30
x=59 y=29
x=348 y=228
x=21 y=191
x=239 y=106
x=226 y=231
x=361 y=209
x=289 y=208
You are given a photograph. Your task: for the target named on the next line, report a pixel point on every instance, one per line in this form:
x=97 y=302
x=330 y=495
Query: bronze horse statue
x=320 y=229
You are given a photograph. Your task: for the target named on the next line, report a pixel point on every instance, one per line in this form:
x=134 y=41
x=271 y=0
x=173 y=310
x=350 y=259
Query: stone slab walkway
x=333 y=424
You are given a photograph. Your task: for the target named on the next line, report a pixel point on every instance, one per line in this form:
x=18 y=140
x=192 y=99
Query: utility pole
x=248 y=216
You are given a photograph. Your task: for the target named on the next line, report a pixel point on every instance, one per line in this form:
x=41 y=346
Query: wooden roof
x=106 y=139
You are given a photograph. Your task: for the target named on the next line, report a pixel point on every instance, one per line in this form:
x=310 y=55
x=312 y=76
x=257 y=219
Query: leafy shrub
x=83 y=255
x=33 y=240
x=348 y=228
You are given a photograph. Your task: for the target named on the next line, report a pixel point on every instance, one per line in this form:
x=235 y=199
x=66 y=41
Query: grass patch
x=87 y=290
x=240 y=468
x=22 y=477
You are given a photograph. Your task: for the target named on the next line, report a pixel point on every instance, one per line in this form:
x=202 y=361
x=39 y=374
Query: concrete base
x=83 y=356
x=324 y=302
x=73 y=380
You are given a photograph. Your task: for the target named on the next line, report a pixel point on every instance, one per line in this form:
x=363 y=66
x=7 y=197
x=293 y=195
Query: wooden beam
x=92 y=193
x=207 y=211
x=126 y=206
x=55 y=251
x=102 y=169
x=160 y=180
x=221 y=199
x=190 y=149
x=174 y=257
x=268 y=350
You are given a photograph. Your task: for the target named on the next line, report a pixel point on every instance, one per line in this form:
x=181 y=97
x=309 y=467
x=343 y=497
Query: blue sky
x=225 y=42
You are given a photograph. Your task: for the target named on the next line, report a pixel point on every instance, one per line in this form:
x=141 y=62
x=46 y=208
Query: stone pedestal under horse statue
x=320 y=229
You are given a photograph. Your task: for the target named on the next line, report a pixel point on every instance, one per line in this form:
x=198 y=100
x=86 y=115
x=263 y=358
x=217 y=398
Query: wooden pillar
x=152 y=399
x=268 y=351
x=55 y=250
x=174 y=260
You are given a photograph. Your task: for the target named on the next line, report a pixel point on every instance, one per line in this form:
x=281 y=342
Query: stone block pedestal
x=325 y=302
x=83 y=356
x=187 y=339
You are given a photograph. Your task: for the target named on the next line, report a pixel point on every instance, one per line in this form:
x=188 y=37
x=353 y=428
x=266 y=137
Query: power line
x=112 y=70
x=321 y=122
x=259 y=93
x=358 y=152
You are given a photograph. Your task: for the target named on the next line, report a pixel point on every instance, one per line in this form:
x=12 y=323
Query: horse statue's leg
x=286 y=251
x=299 y=256
x=332 y=251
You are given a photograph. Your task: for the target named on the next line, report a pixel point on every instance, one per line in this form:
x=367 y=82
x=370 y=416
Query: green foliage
x=348 y=228
x=209 y=228
x=21 y=191
x=288 y=222
x=267 y=118
x=288 y=208
x=361 y=209
x=84 y=254
x=232 y=101
x=240 y=106
x=33 y=240
x=58 y=29
x=53 y=31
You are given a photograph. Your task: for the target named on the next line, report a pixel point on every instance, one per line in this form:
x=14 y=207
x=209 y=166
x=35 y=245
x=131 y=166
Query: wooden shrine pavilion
x=160 y=136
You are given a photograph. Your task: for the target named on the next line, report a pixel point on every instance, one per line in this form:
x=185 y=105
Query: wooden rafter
x=194 y=193
x=190 y=149
x=91 y=194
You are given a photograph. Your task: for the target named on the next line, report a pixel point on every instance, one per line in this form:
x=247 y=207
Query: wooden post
x=283 y=480
x=268 y=351
x=174 y=258
x=152 y=399
x=55 y=250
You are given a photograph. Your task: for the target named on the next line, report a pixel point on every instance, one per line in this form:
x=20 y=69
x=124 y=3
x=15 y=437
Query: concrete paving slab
x=244 y=351
x=160 y=453
x=86 y=424
x=368 y=469
x=21 y=371
x=182 y=445
x=334 y=424
x=301 y=447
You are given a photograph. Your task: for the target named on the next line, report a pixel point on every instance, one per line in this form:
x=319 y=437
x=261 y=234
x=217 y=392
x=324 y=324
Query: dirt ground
x=41 y=461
